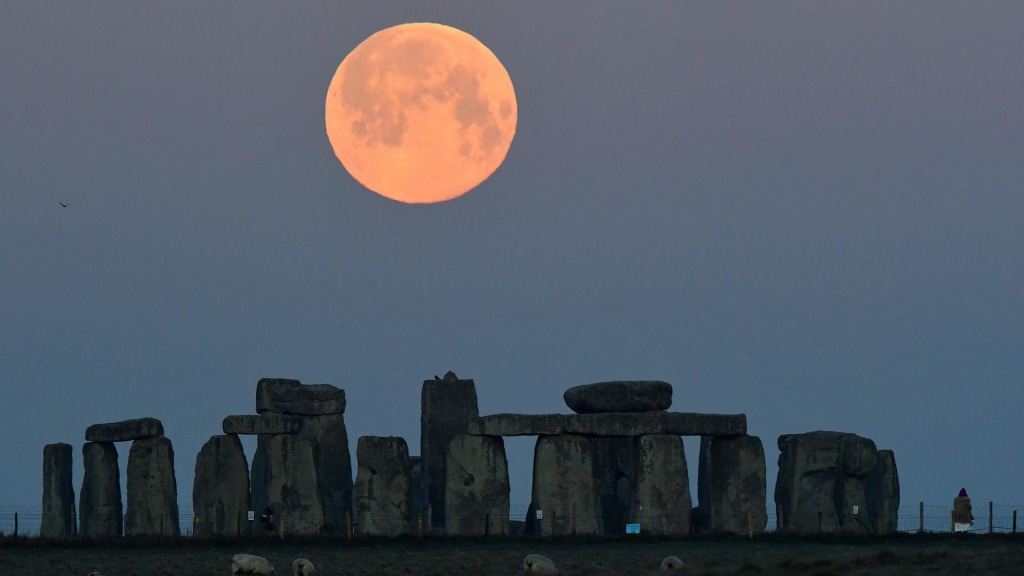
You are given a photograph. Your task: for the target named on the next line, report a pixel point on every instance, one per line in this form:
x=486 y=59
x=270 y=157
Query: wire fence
x=919 y=518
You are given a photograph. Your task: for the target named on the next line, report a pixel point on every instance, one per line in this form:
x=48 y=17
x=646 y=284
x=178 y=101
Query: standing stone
x=477 y=493
x=100 y=509
x=731 y=483
x=58 y=493
x=328 y=437
x=220 y=489
x=284 y=477
x=663 y=486
x=624 y=396
x=563 y=487
x=447 y=406
x=380 y=497
x=883 y=492
x=152 y=489
x=615 y=461
x=417 y=521
x=813 y=468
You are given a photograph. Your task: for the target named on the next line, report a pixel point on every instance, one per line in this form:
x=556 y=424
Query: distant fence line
x=926 y=518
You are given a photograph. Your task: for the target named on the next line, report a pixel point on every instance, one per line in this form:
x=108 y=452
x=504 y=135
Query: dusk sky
x=806 y=212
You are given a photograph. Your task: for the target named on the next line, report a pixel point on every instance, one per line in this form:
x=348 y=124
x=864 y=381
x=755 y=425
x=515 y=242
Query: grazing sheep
x=671 y=563
x=303 y=567
x=249 y=564
x=537 y=564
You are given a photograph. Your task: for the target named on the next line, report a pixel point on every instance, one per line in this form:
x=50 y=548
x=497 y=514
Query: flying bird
x=62 y=205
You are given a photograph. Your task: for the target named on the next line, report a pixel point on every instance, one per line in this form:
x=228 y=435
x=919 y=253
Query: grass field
x=768 y=554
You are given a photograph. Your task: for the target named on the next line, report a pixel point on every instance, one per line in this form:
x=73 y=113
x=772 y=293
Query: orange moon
x=421 y=113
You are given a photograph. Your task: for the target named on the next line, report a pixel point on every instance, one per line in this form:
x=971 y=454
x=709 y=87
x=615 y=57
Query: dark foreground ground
x=770 y=554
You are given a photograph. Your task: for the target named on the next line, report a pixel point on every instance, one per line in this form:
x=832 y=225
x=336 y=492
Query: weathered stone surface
x=615 y=424
x=447 y=406
x=152 y=489
x=615 y=461
x=693 y=424
x=731 y=483
x=58 y=492
x=662 y=486
x=329 y=438
x=622 y=396
x=266 y=423
x=381 y=494
x=517 y=425
x=563 y=487
x=883 y=492
x=293 y=397
x=100 y=510
x=477 y=492
x=812 y=472
x=125 y=431
x=284 y=476
x=220 y=488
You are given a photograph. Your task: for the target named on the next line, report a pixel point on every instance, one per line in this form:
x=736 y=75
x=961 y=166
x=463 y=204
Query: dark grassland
x=788 y=555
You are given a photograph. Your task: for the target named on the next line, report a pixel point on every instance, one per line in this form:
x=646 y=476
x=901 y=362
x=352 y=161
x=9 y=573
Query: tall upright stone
x=152 y=489
x=58 y=492
x=563 y=487
x=731 y=485
x=883 y=492
x=220 y=489
x=447 y=406
x=322 y=408
x=663 y=486
x=477 y=493
x=382 y=491
x=100 y=509
x=284 y=477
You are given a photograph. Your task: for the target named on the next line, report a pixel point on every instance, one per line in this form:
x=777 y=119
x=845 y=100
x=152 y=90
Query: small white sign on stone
x=856 y=509
x=540 y=514
x=252 y=515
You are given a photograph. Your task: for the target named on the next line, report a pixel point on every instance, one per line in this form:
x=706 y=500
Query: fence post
x=487 y=524
x=819 y=522
x=348 y=523
x=15 y=525
x=280 y=528
x=572 y=517
x=1014 y=522
x=952 y=521
x=920 y=516
x=989 y=516
x=419 y=525
x=750 y=524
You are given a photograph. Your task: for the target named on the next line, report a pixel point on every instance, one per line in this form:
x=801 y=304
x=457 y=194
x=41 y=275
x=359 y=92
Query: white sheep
x=537 y=564
x=249 y=564
x=303 y=567
x=671 y=563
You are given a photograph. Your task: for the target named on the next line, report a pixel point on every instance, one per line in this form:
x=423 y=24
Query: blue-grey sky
x=805 y=212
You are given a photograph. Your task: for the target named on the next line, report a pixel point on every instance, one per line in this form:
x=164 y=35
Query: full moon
x=421 y=113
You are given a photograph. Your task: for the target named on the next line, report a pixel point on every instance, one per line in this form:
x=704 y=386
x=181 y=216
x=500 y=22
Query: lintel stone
x=266 y=423
x=517 y=425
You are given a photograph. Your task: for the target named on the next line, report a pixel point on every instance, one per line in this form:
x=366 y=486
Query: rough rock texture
x=731 y=482
x=477 y=492
x=624 y=396
x=417 y=521
x=692 y=424
x=58 y=492
x=381 y=494
x=517 y=425
x=447 y=406
x=293 y=397
x=615 y=424
x=100 y=510
x=220 y=488
x=615 y=461
x=329 y=438
x=284 y=476
x=152 y=490
x=662 y=486
x=125 y=431
x=563 y=487
x=266 y=423
x=883 y=492
x=814 y=473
